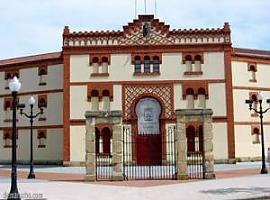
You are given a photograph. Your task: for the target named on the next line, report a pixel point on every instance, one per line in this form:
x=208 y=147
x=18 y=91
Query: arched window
x=197 y=63
x=106 y=134
x=255 y=135
x=188 y=62
x=95 y=100
x=42 y=136
x=95 y=64
x=201 y=148
x=42 y=72
x=137 y=64
x=253 y=70
x=156 y=64
x=190 y=98
x=7 y=108
x=8 y=76
x=106 y=100
x=104 y=67
x=7 y=139
x=147 y=64
x=97 y=140
x=254 y=105
x=201 y=98
x=190 y=134
x=95 y=60
x=42 y=102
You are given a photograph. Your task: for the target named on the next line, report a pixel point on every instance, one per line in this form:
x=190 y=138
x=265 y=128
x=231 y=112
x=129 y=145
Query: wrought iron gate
x=149 y=156
x=103 y=166
x=196 y=165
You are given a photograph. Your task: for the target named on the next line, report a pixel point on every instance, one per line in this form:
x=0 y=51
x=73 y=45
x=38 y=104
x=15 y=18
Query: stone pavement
x=241 y=181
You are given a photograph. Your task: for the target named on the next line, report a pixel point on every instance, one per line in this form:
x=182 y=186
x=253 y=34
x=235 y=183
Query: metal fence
x=103 y=166
x=149 y=156
x=195 y=165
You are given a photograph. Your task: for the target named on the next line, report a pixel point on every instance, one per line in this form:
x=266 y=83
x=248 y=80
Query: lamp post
x=14 y=86
x=260 y=112
x=31 y=116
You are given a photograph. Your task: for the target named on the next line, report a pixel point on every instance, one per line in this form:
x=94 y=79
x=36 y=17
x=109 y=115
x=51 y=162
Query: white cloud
x=34 y=26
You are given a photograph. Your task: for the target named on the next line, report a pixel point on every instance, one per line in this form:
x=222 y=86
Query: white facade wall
x=53 y=112
x=171 y=68
x=53 y=153
x=77 y=143
x=244 y=147
x=217 y=99
x=220 y=141
x=30 y=79
x=241 y=75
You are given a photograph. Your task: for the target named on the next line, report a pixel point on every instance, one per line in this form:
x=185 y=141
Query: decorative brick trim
x=34 y=93
x=146 y=74
x=248 y=123
x=193 y=73
x=193 y=56
x=99 y=87
x=35 y=127
x=99 y=74
x=42 y=70
x=42 y=100
x=99 y=56
x=77 y=122
x=148 y=82
x=9 y=74
x=195 y=86
x=66 y=108
x=8 y=103
x=41 y=134
x=229 y=100
x=252 y=67
x=253 y=127
x=251 y=88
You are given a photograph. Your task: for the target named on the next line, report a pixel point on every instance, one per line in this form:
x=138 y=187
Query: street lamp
x=14 y=86
x=261 y=112
x=31 y=116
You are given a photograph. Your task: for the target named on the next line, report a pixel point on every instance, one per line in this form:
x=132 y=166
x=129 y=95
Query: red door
x=149 y=149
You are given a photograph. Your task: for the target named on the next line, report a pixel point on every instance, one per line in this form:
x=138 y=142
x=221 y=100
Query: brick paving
x=71 y=177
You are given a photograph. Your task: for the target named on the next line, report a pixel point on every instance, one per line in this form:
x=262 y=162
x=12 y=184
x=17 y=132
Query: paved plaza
x=239 y=181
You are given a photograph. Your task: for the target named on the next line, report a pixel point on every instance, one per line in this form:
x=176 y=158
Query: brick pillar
x=181 y=146
x=117 y=154
x=208 y=147
x=90 y=156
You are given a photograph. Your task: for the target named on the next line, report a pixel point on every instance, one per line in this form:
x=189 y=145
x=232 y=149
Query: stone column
x=208 y=147
x=90 y=156
x=181 y=143
x=113 y=118
x=117 y=154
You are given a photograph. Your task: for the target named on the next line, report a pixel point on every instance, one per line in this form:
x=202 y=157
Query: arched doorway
x=148 y=136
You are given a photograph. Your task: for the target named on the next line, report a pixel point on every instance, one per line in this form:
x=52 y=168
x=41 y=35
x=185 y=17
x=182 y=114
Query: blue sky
x=35 y=26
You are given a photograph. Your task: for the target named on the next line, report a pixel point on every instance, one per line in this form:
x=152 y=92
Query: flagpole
x=144 y=6
x=156 y=8
x=135 y=7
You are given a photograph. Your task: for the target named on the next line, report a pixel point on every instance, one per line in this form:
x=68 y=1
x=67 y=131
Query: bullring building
x=146 y=85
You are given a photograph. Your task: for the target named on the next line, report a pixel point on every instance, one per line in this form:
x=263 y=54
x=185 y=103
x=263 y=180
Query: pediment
x=134 y=33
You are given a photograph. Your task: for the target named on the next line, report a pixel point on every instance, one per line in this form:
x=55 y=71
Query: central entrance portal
x=148 y=137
